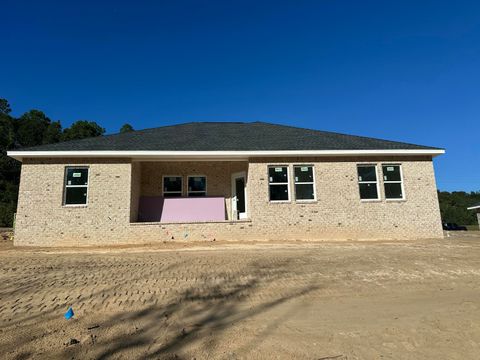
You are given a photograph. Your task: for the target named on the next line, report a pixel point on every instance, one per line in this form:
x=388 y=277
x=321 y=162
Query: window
x=172 y=186
x=392 y=181
x=367 y=182
x=197 y=186
x=76 y=186
x=304 y=182
x=278 y=183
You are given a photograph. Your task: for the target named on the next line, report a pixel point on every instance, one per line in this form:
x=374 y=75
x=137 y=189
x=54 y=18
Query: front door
x=239 y=206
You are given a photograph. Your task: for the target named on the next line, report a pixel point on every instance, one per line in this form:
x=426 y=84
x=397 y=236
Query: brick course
x=116 y=184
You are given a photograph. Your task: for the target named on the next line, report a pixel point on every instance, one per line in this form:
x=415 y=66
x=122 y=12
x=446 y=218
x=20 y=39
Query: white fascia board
x=474 y=207
x=211 y=155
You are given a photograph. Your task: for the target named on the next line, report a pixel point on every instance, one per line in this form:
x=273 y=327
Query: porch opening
x=188 y=191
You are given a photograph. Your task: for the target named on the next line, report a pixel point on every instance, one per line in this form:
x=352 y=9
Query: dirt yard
x=353 y=300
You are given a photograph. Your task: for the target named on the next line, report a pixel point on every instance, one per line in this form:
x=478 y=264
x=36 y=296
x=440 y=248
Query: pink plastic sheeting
x=160 y=209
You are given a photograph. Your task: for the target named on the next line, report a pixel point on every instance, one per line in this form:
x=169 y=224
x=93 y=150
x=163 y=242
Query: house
x=476 y=208
x=225 y=181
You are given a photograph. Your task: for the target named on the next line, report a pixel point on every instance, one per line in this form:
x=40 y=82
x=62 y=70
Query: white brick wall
x=339 y=212
x=116 y=184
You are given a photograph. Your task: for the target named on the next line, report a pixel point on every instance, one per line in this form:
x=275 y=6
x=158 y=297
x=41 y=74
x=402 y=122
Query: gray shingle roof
x=475 y=206
x=227 y=136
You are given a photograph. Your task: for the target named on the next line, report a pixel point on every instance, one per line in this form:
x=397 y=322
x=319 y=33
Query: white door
x=239 y=196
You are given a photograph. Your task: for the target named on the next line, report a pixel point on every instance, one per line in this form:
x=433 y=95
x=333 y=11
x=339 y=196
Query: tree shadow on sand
x=198 y=315
x=49 y=313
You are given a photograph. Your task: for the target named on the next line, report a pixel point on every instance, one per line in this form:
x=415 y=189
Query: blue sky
x=403 y=70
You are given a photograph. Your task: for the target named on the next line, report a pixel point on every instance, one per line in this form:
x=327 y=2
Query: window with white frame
x=172 y=186
x=367 y=182
x=278 y=183
x=76 y=186
x=392 y=181
x=197 y=186
x=304 y=182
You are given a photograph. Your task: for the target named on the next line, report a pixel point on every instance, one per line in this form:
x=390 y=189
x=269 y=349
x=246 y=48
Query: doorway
x=239 y=196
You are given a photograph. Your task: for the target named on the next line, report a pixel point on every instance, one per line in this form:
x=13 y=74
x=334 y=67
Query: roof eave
x=223 y=155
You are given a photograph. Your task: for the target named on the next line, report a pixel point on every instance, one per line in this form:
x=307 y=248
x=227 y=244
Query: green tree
x=31 y=128
x=126 y=128
x=4 y=107
x=82 y=129
x=453 y=206
x=53 y=133
x=9 y=168
x=7 y=133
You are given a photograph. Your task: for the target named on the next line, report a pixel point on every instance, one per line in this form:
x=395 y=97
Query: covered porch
x=188 y=191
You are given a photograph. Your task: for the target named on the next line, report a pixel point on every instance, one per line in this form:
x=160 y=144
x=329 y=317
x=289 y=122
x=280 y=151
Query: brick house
x=225 y=181
x=476 y=208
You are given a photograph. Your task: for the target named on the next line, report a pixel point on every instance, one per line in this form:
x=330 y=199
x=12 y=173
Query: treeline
x=31 y=129
x=453 y=206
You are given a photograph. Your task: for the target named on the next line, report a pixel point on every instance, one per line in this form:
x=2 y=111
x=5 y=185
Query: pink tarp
x=160 y=209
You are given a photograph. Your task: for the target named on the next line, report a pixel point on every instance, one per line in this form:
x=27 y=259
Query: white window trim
x=379 y=197
x=289 y=190
x=305 y=183
x=65 y=186
x=171 y=192
x=197 y=192
x=403 y=198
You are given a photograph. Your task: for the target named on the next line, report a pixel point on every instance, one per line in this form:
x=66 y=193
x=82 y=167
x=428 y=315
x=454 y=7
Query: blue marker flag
x=68 y=315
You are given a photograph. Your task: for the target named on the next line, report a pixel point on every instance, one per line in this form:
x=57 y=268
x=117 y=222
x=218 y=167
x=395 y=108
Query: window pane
x=196 y=194
x=76 y=196
x=393 y=191
x=172 y=194
x=391 y=173
x=303 y=174
x=277 y=174
x=367 y=173
x=197 y=183
x=304 y=192
x=172 y=183
x=77 y=176
x=278 y=192
x=368 y=191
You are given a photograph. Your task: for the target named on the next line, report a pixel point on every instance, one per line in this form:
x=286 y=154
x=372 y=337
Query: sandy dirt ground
x=348 y=300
